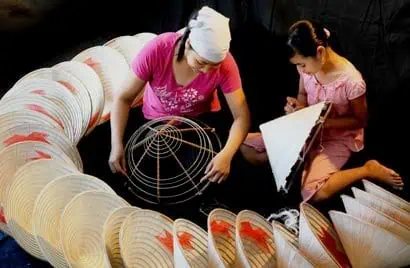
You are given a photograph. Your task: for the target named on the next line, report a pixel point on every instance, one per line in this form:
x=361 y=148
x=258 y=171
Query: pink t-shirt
x=163 y=96
x=348 y=86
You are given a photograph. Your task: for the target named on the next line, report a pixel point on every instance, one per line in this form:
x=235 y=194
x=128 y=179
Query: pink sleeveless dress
x=334 y=146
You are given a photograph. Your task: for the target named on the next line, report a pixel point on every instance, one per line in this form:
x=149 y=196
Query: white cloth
x=210 y=35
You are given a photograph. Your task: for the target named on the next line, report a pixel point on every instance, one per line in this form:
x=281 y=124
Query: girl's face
x=310 y=65
x=196 y=62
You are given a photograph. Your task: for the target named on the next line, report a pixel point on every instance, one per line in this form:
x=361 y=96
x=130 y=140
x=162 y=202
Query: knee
x=320 y=195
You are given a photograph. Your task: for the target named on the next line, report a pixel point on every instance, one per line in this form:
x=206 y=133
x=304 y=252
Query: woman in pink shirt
x=327 y=76
x=180 y=75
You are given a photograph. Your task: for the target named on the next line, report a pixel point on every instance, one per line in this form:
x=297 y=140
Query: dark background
x=373 y=34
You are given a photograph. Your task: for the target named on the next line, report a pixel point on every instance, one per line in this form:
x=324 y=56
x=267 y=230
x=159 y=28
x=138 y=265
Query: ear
x=321 y=52
x=187 y=43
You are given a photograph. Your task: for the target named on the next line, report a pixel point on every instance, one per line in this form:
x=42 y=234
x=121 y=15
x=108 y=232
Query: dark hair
x=185 y=36
x=304 y=37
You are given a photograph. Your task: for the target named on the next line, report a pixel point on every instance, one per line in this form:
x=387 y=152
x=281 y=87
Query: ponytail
x=181 y=50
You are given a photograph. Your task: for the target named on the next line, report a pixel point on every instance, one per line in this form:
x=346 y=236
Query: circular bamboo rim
x=39 y=105
x=386 y=195
x=70 y=82
x=18 y=154
x=145 y=37
x=49 y=207
x=254 y=240
x=355 y=208
x=318 y=239
x=111 y=68
x=81 y=228
x=221 y=238
x=191 y=244
x=381 y=205
x=112 y=229
x=368 y=245
x=146 y=240
x=28 y=182
x=22 y=117
x=93 y=84
x=128 y=46
x=288 y=253
x=79 y=90
x=40 y=133
x=57 y=93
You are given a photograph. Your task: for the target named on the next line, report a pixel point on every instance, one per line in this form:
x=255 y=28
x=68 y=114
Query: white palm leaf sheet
x=285 y=137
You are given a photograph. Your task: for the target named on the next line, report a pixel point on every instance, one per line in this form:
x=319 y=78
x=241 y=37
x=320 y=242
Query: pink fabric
x=255 y=141
x=321 y=163
x=348 y=86
x=163 y=96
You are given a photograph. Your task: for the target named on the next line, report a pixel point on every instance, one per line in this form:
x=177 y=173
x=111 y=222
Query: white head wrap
x=210 y=36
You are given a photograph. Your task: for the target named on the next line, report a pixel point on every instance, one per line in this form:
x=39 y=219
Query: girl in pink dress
x=327 y=76
x=179 y=75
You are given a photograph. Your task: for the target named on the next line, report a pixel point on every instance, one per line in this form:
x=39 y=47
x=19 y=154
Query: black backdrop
x=373 y=34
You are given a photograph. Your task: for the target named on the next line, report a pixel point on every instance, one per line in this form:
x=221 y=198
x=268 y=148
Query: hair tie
x=327 y=32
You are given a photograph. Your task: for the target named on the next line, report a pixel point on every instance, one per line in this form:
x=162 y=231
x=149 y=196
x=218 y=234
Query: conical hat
x=49 y=207
x=221 y=238
x=111 y=68
x=386 y=195
x=22 y=117
x=93 y=84
x=18 y=154
x=112 y=229
x=368 y=245
x=128 y=46
x=145 y=37
x=81 y=227
x=254 y=241
x=81 y=92
x=28 y=182
x=382 y=205
x=190 y=245
x=71 y=83
x=285 y=137
x=368 y=214
x=39 y=105
x=57 y=93
x=182 y=30
x=146 y=238
x=288 y=254
x=318 y=240
x=41 y=133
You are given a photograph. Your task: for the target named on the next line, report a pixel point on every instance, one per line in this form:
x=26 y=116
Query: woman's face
x=196 y=62
x=309 y=65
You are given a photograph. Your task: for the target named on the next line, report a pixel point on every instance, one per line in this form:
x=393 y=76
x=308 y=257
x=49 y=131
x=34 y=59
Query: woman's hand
x=219 y=167
x=293 y=105
x=117 y=160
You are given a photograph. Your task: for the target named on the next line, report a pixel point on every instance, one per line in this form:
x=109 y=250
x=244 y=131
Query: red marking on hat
x=256 y=234
x=166 y=240
x=69 y=86
x=38 y=108
x=185 y=240
x=40 y=155
x=33 y=136
x=335 y=247
x=221 y=227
